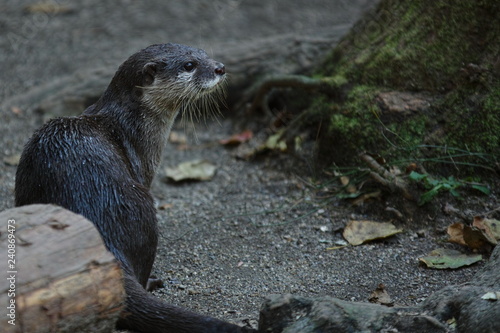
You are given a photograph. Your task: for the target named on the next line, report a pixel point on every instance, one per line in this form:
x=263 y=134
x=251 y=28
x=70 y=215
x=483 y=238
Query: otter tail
x=145 y=313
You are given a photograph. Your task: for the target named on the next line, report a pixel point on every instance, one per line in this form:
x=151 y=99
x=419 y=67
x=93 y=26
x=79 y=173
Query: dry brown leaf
x=16 y=110
x=359 y=232
x=476 y=239
x=381 y=296
x=411 y=167
x=177 y=137
x=236 y=139
x=479 y=236
x=165 y=206
x=349 y=188
x=456 y=232
x=491 y=228
x=365 y=197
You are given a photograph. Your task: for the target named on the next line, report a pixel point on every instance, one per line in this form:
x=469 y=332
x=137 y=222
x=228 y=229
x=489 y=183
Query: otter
x=101 y=165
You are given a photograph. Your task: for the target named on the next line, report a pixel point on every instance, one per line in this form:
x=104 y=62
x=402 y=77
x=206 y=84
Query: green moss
x=409 y=134
x=337 y=81
x=449 y=50
x=474 y=122
x=418 y=45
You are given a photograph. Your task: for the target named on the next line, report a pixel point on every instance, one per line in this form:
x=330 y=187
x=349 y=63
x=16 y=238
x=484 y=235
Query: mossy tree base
x=421 y=84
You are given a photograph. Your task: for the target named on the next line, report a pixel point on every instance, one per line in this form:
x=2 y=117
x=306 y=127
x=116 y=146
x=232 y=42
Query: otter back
x=76 y=163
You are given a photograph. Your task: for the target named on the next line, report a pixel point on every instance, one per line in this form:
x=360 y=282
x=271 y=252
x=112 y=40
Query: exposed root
x=262 y=90
x=384 y=177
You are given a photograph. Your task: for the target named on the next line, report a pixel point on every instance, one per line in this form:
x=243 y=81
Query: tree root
x=384 y=177
x=262 y=90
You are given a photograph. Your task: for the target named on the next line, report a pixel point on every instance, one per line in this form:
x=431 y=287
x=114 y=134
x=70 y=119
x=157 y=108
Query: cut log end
x=63 y=278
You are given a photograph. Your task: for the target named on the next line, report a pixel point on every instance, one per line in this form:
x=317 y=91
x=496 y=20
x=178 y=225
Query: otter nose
x=220 y=69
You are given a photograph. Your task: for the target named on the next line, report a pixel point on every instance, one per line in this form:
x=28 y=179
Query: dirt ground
x=256 y=229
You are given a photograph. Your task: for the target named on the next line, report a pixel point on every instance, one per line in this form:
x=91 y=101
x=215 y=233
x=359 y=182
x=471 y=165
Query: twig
x=384 y=177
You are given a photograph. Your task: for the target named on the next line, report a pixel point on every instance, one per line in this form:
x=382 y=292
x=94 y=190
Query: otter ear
x=149 y=72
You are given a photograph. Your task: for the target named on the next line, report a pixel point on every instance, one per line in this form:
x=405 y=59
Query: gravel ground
x=256 y=228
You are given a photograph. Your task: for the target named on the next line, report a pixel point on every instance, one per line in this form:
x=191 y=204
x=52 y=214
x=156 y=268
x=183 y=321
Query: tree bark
x=415 y=89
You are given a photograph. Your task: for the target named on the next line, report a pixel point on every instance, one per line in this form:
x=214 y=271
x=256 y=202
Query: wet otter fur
x=101 y=165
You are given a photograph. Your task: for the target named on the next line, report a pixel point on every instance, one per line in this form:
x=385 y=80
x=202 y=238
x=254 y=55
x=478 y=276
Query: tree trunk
x=421 y=81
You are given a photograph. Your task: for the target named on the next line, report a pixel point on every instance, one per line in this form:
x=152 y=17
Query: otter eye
x=189 y=66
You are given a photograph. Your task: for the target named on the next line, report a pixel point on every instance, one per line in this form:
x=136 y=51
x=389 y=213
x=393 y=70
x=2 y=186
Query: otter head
x=179 y=78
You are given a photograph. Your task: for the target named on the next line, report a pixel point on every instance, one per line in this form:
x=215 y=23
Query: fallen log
x=57 y=275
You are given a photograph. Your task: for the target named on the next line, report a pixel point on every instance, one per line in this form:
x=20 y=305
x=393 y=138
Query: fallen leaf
x=274 y=142
x=456 y=232
x=411 y=167
x=335 y=247
x=381 y=296
x=490 y=227
x=445 y=258
x=359 y=232
x=491 y=296
x=476 y=237
x=165 y=206
x=322 y=228
x=177 y=137
x=349 y=188
x=16 y=110
x=244 y=152
x=237 y=139
x=365 y=197
x=192 y=170
x=48 y=7
x=341 y=242
x=452 y=323
x=12 y=160
x=344 y=180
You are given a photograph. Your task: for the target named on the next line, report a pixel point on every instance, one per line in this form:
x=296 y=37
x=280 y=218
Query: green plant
x=442 y=184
